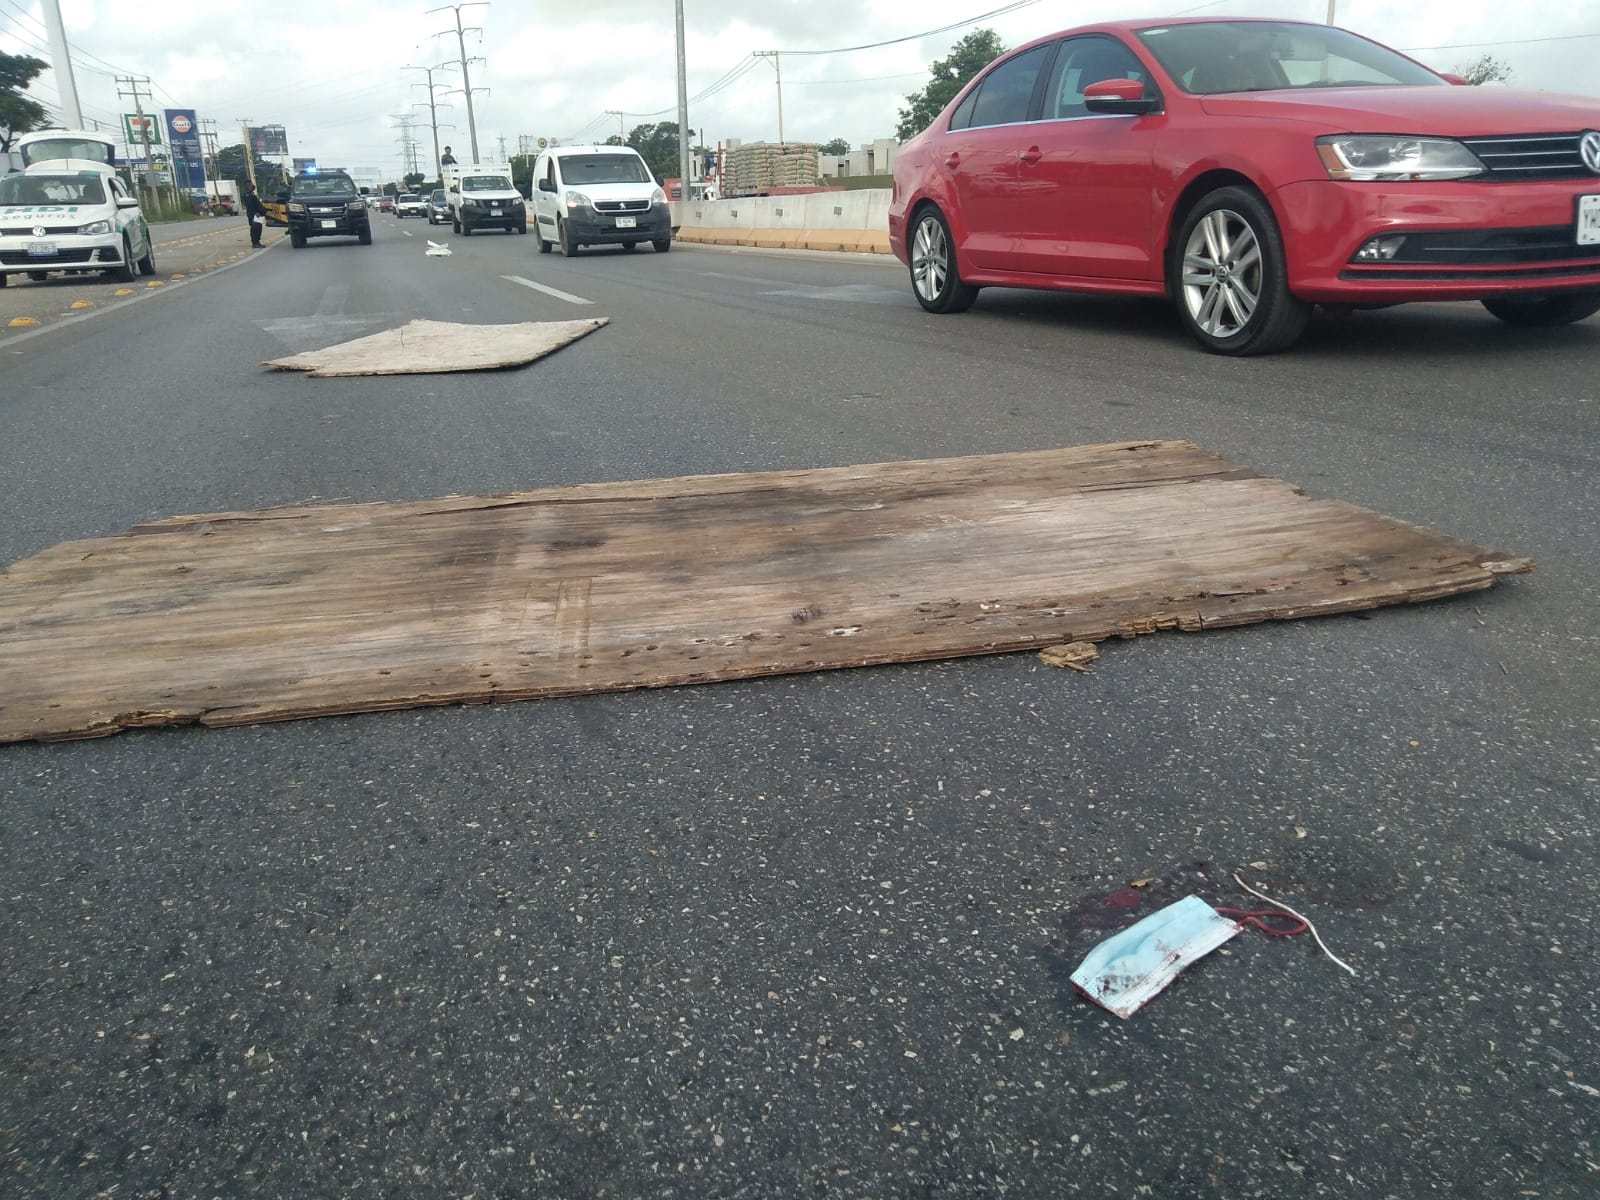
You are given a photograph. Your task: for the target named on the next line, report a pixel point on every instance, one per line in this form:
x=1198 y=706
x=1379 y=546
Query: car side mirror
x=1119 y=96
x=547 y=185
x=127 y=202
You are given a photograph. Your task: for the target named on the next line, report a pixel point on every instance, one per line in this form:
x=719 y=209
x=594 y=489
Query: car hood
x=1443 y=111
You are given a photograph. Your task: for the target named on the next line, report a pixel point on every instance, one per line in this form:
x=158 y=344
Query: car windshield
x=52 y=189
x=580 y=169
x=485 y=183
x=1208 y=58
x=323 y=185
x=410 y=199
x=439 y=197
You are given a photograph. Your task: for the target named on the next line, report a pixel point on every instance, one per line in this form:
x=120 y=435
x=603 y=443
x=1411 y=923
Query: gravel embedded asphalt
x=810 y=936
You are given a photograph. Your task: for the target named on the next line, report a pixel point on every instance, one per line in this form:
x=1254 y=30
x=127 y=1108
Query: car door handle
x=1031 y=155
x=954 y=160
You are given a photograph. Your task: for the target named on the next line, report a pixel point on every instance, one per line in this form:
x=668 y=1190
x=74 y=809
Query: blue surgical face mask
x=1129 y=969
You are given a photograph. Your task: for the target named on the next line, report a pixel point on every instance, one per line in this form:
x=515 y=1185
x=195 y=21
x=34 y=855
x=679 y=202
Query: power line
x=996 y=12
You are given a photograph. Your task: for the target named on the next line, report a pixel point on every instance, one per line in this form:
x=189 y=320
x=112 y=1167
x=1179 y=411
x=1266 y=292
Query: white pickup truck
x=482 y=197
x=69 y=212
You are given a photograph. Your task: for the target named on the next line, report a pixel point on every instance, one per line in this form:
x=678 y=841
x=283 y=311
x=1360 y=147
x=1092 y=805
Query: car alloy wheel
x=934 y=276
x=1233 y=290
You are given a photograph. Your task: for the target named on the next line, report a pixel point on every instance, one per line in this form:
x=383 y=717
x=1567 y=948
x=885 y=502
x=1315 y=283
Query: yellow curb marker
x=155 y=283
x=123 y=292
x=83 y=304
x=22 y=322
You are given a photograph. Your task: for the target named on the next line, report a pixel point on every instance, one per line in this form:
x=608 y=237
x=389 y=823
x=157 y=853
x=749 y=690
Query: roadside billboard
x=183 y=136
x=268 y=139
x=305 y=164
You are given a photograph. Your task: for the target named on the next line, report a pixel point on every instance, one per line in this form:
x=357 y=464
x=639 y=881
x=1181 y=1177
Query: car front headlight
x=658 y=197
x=356 y=206
x=296 y=207
x=1368 y=157
x=578 y=200
x=95 y=227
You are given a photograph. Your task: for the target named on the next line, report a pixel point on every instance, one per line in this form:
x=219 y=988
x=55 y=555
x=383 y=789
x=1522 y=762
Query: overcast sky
x=553 y=70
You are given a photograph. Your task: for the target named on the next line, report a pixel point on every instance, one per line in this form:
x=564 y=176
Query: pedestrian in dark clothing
x=447 y=159
x=255 y=212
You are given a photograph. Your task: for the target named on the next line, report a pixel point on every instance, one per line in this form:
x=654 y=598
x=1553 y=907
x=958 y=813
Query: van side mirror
x=547 y=185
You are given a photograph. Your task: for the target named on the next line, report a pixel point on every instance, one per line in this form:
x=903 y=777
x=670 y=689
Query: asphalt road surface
x=810 y=936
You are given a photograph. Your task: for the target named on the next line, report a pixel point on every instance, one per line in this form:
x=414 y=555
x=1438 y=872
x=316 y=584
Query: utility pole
x=466 y=78
x=66 y=86
x=777 y=64
x=433 y=114
x=144 y=130
x=622 y=134
x=683 y=113
x=208 y=137
x=249 y=159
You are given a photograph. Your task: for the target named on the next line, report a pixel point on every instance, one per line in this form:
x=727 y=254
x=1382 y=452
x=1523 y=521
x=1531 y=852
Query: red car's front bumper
x=1462 y=241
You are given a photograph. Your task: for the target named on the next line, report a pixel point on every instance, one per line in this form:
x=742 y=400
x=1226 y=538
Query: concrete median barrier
x=856 y=222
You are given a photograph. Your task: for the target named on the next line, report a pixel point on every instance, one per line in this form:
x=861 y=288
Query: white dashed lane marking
x=548 y=291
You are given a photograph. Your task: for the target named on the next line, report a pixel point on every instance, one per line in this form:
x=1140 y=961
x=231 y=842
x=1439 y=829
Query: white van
x=598 y=196
x=482 y=197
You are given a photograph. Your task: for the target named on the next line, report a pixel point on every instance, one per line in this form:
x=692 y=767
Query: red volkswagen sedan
x=1251 y=170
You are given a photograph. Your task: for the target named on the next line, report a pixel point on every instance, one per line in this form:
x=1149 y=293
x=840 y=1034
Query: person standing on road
x=255 y=212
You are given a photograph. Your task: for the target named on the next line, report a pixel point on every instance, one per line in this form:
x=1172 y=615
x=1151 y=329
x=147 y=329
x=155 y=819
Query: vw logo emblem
x=39 y=231
x=1589 y=149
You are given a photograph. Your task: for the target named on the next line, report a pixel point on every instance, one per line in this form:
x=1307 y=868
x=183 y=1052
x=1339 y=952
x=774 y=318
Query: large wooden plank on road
x=234 y=618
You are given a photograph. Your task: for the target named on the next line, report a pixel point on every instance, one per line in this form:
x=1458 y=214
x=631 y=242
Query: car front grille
x=21 y=258
x=27 y=231
x=1516 y=157
x=1492 y=248
x=622 y=206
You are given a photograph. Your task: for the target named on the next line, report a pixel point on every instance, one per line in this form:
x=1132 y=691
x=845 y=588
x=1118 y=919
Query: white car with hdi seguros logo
x=69 y=212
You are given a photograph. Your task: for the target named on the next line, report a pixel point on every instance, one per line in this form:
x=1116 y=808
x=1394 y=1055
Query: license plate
x=1588 y=220
x=627 y=222
x=48 y=249
x=330 y=224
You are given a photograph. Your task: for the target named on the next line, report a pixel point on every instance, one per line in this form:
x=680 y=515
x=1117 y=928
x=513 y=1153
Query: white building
x=874 y=159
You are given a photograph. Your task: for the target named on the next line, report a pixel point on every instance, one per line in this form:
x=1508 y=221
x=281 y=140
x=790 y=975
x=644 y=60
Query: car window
x=324 y=185
x=1213 y=57
x=439 y=197
x=579 y=169
x=1006 y=91
x=52 y=189
x=962 y=117
x=1083 y=61
x=485 y=183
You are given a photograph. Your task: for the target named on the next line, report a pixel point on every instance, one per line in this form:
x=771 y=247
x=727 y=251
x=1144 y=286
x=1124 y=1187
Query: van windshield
x=46 y=149
x=52 y=189
x=579 y=169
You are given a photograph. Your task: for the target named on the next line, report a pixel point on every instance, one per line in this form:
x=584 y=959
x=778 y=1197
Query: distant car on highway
x=1249 y=170
x=439 y=207
x=410 y=205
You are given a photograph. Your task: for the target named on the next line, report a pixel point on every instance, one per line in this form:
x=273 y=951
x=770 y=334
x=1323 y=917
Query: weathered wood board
x=294 y=612
x=436 y=347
